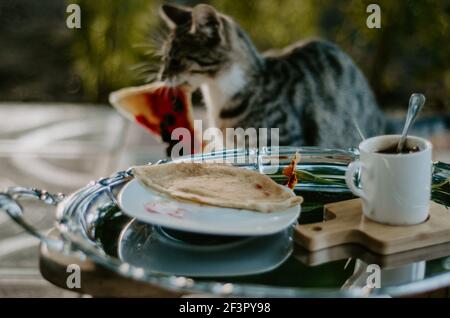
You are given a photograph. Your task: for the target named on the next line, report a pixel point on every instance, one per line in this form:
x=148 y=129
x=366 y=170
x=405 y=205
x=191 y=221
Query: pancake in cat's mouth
x=158 y=108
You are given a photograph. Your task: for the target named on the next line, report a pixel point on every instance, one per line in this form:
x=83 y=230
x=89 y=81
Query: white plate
x=155 y=208
x=145 y=246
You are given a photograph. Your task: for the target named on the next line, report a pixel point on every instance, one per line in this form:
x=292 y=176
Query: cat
x=312 y=91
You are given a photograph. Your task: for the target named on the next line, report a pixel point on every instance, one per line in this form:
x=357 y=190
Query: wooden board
x=346 y=251
x=346 y=224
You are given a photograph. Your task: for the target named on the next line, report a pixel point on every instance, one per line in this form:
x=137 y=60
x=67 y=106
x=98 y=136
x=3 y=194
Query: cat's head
x=201 y=44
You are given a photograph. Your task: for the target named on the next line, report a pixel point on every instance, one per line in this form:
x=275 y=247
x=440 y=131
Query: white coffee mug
x=396 y=188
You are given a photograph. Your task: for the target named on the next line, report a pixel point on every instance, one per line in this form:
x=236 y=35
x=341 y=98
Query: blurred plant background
x=42 y=60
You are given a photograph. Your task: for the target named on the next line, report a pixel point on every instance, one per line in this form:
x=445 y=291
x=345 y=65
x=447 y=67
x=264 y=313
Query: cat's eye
x=200 y=62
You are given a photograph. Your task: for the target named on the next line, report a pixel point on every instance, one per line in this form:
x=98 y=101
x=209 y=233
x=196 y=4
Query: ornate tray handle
x=9 y=202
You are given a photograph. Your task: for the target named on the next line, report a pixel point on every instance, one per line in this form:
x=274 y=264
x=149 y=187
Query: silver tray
x=91 y=224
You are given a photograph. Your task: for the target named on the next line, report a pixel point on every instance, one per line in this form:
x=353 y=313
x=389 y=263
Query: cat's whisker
x=150 y=78
x=143 y=66
x=153 y=53
x=166 y=94
x=158 y=36
x=146 y=70
x=146 y=75
x=143 y=45
x=160 y=92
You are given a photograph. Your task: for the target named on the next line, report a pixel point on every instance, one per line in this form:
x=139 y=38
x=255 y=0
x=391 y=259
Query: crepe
x=158 y=108
x=217 y=184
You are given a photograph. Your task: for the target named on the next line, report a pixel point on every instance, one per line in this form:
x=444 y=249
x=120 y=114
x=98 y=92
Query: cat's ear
x=175 y=15
x=206 y=21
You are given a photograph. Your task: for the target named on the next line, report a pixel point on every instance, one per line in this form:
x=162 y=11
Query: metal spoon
x=416 y=102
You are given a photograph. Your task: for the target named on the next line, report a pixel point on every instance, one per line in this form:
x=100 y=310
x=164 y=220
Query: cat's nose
x=169 y=71
x=164 y=74
x=174 y=67
x=171 y=68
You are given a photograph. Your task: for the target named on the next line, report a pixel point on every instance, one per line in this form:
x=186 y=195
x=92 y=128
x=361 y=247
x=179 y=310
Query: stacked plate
x=207 y=241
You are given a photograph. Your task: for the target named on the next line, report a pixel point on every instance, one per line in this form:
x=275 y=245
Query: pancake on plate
x=217 y=184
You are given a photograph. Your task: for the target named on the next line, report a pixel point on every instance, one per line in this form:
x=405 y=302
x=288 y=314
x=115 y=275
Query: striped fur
x=312 y=91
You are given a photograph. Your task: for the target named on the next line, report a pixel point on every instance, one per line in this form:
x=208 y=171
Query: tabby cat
x=312 y=91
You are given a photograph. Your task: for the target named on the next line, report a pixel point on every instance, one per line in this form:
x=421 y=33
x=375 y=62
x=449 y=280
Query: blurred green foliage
x=110 y=43
x=409 y=53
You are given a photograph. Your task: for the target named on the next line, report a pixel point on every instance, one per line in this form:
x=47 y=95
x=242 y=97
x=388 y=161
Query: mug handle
x=350 y=180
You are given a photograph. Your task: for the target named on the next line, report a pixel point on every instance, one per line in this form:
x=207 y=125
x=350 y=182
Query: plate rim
x=254 y=232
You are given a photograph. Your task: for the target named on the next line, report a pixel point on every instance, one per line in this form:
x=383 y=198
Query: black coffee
x=393 y=150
